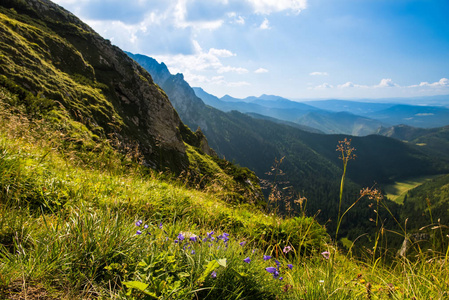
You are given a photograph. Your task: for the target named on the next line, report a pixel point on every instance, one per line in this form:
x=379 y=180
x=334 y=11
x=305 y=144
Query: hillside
x=64 y=72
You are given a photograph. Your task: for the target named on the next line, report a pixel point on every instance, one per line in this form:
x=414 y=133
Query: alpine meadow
x=122 y=180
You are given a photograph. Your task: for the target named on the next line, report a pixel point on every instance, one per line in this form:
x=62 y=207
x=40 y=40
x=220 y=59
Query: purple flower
x=181 y=237
x=139 y=232
x=194 y=238
x=192 y=252
x=205 y=240
x=209 y=234
x=146 y=226
x=276 y=274
x=247 y=260
x=213 y=274
x=160 y=225
x=281 y=278
x=266 y=257
x=138 y=223
x=287 y=249
x=242 y=243
x=271 y=270
x=290 y=266
x=325 y=254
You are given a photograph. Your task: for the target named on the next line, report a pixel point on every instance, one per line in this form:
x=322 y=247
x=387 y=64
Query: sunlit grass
x=397 y=191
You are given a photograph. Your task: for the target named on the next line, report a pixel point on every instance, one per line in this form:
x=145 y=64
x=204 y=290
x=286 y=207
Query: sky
x=298 y=49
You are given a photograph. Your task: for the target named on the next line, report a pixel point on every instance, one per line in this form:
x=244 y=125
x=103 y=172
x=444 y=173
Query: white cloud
x=443 y=82
x=221 y=52
x=350 y=84
x=386 y=82
x=265 y=24
x=261 y=70
x=319 y=74
x=270 y=6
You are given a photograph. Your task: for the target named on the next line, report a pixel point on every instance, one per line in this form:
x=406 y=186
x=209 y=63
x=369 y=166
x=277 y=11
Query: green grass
x=397 y=191
x=68 y=231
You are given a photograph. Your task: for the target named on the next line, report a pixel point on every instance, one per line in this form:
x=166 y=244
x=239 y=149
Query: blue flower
x=266 y=257
x=194 y=238
x=247 y=260
x=277 y=263
x=139 y=232
x=271 y=270
x=242 y=243
x=138 y=223
x=160 y=225
x=181 y=237
x=213 y=274
x=209 y=234
x=193 y=252
x=290 y=266
x=146 y=226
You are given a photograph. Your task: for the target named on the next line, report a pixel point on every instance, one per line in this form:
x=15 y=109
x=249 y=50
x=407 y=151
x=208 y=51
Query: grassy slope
x=68 y=231
x=398 y=190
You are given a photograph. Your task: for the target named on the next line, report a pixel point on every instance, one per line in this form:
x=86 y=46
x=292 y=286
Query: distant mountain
x=353 y=107
x=302 y=114
x=417 y=116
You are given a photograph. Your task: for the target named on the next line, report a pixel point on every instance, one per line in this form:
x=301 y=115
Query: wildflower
x=242 y=243
x=290 y=266
x=247 y=260
x=209 y=234
x=213 y=274
x=205 y=240
x=146 y=226
x=287 y=249
x=138 y=223
x=139 y=232
x=160 y=225
x=194 y=238
x=181 y=237
x=325 y=254
x=281 y=278
x=271 y=270
x=266 y=257
x=192 y=252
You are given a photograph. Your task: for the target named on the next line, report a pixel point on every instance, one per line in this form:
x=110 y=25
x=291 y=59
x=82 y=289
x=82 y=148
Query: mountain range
x=337 y=116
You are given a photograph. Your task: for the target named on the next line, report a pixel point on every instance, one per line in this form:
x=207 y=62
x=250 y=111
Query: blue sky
x=299 y=49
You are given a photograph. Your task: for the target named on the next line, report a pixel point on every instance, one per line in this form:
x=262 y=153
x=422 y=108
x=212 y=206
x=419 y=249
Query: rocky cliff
x=50 y=52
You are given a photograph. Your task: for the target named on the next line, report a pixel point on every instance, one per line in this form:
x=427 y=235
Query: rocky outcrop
x=52 y=53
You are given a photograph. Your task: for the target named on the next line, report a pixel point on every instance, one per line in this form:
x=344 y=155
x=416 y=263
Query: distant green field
x=397 y=191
